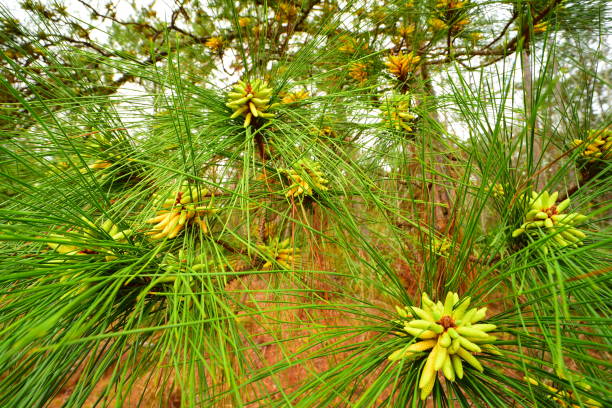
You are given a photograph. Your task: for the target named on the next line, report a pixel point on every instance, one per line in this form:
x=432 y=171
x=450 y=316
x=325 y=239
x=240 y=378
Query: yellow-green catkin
x=396 y=113
x=597 y=146
x=177 y=210
x=401 y=65
x=305 y=175
x=446 y=335
x=251 y=100
x=544 y=215
x=281 y=252
x=91 y=231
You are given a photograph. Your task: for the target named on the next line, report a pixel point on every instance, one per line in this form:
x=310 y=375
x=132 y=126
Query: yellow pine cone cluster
x=598 y=144
x=436 y=24
x=545 y=215
x=116 y=234
x=282 y=252
x=103 y=169
x=405 y=30
x=396 y=113
x=450 y=13
x=328 y=132
x=177 y=263
x=497 y=190
x=180 y=265
x=441 y=246
x=358 y=71
x=286 y=12
x=402 y=33
x=251 y=100
x=178 y=210
x=294 y=97
x=349 y=44
x=305 y=175
x=401 y=64
x=92 y=231
x=567 y=398
x=214 y=43
x=449 y=333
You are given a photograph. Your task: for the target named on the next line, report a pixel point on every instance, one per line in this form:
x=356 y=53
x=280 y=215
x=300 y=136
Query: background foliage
x=278 y=299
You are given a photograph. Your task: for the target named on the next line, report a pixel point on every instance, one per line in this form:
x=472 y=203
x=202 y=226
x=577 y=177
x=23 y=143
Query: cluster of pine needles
x=301 y=233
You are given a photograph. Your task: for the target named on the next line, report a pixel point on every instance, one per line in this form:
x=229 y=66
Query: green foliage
x=201 y=241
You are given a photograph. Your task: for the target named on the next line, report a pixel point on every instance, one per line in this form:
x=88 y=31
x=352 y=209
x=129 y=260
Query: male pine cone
x=544 y=215
x=449 y=333
x=305 y=175
x=178 y=210
x=251 y=100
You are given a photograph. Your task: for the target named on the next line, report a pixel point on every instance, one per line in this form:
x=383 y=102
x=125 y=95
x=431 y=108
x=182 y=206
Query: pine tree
x=310 y=204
